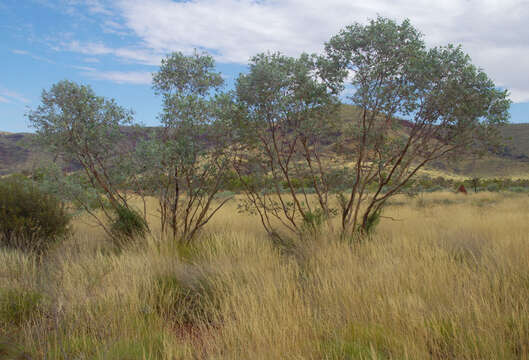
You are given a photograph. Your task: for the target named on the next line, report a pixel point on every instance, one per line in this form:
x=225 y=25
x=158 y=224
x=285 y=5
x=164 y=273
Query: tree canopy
x=281 y=133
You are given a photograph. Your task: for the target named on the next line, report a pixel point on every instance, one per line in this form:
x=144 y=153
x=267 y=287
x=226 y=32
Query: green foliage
x=75 y=124
x=18 y=306
x=518 y=189
x=314 y=220
x=128 y=225
x=149 y=346
x=493 y=187
x=10 y=351
x=225 y=195
x=186 y=163
x=276 y=128
x=451 y=92
x=428 y=184
x=361 y=342
x=449 y=104
x=446 y=339
x=74 y=189
x=286 y=115
x=372 y=221
x=186 y=300
x=30 y=219
x=72 y=120
x=296 y=183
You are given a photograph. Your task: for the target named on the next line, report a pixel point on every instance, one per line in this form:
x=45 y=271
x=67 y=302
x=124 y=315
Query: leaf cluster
x=30 y=219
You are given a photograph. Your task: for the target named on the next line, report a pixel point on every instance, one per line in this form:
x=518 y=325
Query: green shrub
x=296 y=183
x=236 y=184
x=361 y=342
x=18 y=306
x=128 y=225
x=224 y=194
x=150 y=346
x=186 y=300
x=30 y=219
x=10 y=351
x=444 y=340
x=314 y=220
x=372 y=221
x=493 y=187
x=146 y=341
x=518 y=189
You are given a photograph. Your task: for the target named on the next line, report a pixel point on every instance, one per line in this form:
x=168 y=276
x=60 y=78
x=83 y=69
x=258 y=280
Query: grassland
x=446 y=278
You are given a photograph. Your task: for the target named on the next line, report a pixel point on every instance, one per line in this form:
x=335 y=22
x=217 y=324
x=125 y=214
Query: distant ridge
x=18 y=153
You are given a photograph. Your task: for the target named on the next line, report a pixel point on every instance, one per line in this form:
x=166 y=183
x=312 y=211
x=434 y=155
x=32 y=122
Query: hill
x=19 y=153
x=517 y=140
x=511 y=161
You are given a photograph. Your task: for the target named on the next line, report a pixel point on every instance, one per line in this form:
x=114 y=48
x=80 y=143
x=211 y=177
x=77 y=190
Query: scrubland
x=444 y=276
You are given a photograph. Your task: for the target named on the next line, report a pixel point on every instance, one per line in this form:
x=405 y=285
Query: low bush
x=18 y=306
x=150 y=346
x=128 y=225
x=518 y=189
x=361 y=342
x=186 y=300
x=493 y=187
x=10 y=351
x=30 y=219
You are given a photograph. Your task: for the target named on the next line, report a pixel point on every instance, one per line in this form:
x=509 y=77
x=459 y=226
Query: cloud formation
x=33 y=56
x=120 y=77
x=494 y=32
x=131 y=54
x=8 y=96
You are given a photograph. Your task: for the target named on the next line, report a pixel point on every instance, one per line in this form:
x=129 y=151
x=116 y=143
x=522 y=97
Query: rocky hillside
x=19 y=153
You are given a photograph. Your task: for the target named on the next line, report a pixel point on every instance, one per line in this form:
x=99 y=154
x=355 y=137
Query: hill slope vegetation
x=18 y=153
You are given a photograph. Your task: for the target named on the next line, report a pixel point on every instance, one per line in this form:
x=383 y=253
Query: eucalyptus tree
x=75 y=124
x=186 y=162
x=449 y=104
x=285 y=117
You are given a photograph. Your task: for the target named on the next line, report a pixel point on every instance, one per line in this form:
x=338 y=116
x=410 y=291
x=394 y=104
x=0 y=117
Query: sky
x=115 y=46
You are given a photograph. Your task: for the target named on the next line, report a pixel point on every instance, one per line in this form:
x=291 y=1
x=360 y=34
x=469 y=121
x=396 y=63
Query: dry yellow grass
x=448 y=279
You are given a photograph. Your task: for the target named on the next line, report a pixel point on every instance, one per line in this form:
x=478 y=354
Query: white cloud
x=8 y=96
x=33 y=56
x=519 y=95
x=122 y=77
x=494 y=32
x=77 y=7
x=508 y=65
x=84 y=68
x=90 y=48
x=95 y=7
x=91 y=60
x=20 y=52
x=137 y=55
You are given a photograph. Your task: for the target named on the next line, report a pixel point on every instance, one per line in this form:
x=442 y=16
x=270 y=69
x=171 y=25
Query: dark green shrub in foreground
x=18 y=306
x=9 y=350
x=128 y=225
x=185 y=300
x=30 y=219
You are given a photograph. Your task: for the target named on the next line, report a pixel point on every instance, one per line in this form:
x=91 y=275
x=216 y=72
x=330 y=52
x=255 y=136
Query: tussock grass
x=447 y=278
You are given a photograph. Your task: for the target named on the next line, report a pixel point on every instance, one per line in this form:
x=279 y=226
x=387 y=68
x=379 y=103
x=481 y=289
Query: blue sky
x=116 y=45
